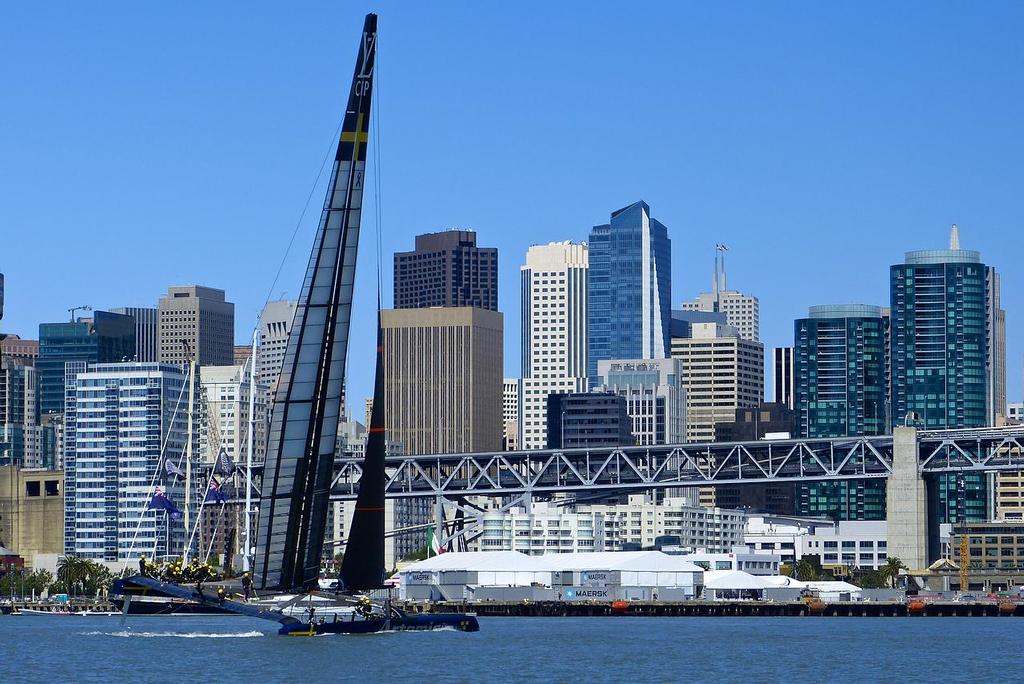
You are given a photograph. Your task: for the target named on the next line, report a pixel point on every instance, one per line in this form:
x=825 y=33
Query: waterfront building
x=104 y=338
x=629 y=288
x=12 y=346
x=741 y=558
x=641 y=523
x=121 y=417
x=442 y=379
x=543 y=528
x=783 y=377
x=839 y=546
x=227 y=400
x=511 y=396
x=147 y=331
x=554 y=332
x=995 y=544
x=32 y=512
x=942 y=308
x=721 y=373
x=275 y=326
x=198 y=319
x=655 y=397
x=840 y=370
x=582 y=420
x=741 y=311
x=447 y=269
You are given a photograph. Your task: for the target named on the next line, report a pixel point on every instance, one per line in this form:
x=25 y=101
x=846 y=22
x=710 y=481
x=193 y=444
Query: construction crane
x=961 y=505
x=73 y=309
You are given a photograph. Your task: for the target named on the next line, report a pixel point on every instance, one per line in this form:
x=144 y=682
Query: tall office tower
x=767 y=421
x=741 y=311
x=554 y=332
x=120 y=418
x=447 y=269
x=104 y=338
x=655 y=397
x=199 y=319
x=510 y=397
x=841 y=391
x=275 y=326
x=629 y=312
x=13 y=346
x=19 y=424
x=941 y=343
x=996 y=362
x=582 y=420
x=721 y=373
x=147 y=331
x=783 y=382
x=442 y=379
x=227 y=399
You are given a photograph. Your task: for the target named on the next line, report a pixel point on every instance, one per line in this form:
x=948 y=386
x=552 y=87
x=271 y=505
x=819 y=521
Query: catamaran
x=297 y=475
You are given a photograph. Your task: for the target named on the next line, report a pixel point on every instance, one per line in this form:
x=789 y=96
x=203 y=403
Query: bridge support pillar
x=906 y=503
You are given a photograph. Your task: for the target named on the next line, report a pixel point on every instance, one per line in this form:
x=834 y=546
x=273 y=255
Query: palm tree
x=72 y=571
x=891 y=569
x=805 y=571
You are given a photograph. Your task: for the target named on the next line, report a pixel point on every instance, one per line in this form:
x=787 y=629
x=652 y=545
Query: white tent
x=783 y=582
x=735 y=580
x=635 y=568
x=491 y=568
x=833 y=590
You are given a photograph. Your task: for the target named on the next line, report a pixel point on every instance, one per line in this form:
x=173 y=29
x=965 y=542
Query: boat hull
x=399 y=623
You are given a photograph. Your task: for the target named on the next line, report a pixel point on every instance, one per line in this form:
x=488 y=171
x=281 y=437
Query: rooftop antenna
x=954 y=237
x=720 y=251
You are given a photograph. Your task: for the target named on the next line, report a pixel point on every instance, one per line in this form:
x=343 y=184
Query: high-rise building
x=447 y=269
x=768 y=420
x=554 y=332
x=275 y=326
x=721 y=373
x=840 y=370
x=585 y=420
x=19 y=424
x=783 y=385
x=147 y=331
x=629 y=290
x=121 y=419
x=104 y=338
x=996 y=362
x=196 y=322
x=241 y=354
x=442 y=379
x=941 y=307
x=655 y=397
x=510 y=397
x=227 y=398
x=741 y=311
x=13 y=346
x=32 y=512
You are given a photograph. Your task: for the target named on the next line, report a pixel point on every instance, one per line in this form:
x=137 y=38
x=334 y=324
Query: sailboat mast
x=248 y=453
x=188 y=447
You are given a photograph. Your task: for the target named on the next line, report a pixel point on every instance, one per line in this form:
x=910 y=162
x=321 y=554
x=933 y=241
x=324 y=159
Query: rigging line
x=159 y=468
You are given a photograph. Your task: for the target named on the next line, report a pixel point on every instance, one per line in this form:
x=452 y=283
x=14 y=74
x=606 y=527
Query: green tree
x=786 y=570
x=872 y=579
x=71 y=572
x=891 y=570
x=805 y=571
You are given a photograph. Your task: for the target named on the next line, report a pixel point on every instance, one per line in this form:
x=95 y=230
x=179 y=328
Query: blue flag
x=224 y=465
x=160 y=502
x=214 y=494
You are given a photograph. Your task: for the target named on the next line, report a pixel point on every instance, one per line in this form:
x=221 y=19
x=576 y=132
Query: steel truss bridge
x=541 y=472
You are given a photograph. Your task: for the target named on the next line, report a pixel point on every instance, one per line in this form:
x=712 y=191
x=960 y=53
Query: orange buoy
x=916 y=607
x=1007 y=608
x=620 y=606
x=816 y=607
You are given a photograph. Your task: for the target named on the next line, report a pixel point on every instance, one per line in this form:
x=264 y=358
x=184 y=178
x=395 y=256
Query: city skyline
x=878 y=156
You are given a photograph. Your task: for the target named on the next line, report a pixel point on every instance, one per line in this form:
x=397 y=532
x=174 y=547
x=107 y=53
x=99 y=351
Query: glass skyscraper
x=840 y=387
x=939 y=357
x=104 y=338
x=629 y=309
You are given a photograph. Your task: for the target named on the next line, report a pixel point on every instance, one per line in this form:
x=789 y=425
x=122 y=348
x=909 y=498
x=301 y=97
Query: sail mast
x=303 y=432
x=248 y=453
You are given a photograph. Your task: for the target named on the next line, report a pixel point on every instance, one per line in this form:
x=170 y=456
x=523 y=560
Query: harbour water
x=608 y=649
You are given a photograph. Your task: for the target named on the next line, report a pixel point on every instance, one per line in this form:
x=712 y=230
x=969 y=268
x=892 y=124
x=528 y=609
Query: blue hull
x=399 y=623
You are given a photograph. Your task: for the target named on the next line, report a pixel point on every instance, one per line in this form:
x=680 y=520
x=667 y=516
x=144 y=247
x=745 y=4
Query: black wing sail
x=362 y=567
x=300 y=455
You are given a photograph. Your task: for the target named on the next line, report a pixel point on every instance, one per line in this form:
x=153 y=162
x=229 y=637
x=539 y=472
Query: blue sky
x=149 y=144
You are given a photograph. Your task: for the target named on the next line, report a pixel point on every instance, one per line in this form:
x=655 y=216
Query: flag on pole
x=173 y=469
x=214 y=494
x=433 y=542
x=721 y=248
x=160 y=502
x=224 y=465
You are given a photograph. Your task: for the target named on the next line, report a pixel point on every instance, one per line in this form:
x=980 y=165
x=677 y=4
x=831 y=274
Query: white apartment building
x=545 y=528
x=554 y=332
x=742 y=558
x=642 y=522
x=655 y=397
x=847 y=543
x=741 y=311
x=227 y=396
x=511 y=394
x=275 y=325
x=119 y=416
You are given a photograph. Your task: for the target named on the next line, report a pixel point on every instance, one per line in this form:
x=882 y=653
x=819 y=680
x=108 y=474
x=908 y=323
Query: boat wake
x=178 y=635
